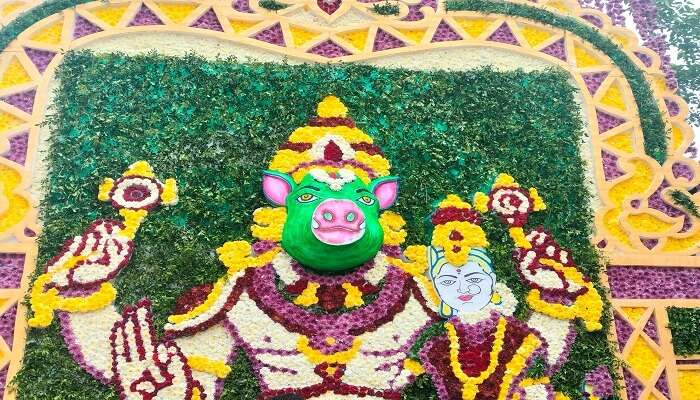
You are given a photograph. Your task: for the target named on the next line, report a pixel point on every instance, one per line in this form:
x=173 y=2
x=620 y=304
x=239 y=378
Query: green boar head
x=332 y=220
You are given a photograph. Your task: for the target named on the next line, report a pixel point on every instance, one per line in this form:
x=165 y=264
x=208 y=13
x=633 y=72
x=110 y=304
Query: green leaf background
x=214 y=125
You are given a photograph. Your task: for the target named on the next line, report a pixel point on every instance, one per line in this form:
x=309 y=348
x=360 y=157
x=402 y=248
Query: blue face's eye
x=474 y=280
x=306 y=198
x=447 y=282
x=366 y=200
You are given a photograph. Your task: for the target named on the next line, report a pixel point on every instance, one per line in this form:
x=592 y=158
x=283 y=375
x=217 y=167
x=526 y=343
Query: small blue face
x=466 y=288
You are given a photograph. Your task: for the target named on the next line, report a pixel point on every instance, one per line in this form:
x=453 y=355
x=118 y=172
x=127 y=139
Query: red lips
x=465 y=297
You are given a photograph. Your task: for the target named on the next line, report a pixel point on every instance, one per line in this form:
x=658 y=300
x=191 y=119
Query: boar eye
x=366 y=200
x=306 y=198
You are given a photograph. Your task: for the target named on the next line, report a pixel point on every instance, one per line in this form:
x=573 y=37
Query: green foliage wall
x=685 y=330
x=215 y=125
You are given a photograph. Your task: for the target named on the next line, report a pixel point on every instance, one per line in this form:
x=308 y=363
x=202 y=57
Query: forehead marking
x=336 y=183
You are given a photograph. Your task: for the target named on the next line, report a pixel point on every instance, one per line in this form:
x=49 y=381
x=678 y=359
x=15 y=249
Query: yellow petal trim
x=452 y=200
x=49 y=35
x=15 y=74
x=104 y=189
x=140 y=168
x=519 y=238
x=13 y=207
x=588 y=306
x=316 y=357
x=239 y=26
x=308 y=295
x=301 y=35
x=177 y=12
x=535 y=36
x=392 y=224
x=111 y=15
x=201 y=308
x=356 y=38
x=472 y=236
x=414 y=366
x=481 y=202
x=504 y=180
x=206 y=364
x=415 y=35
x=470 y=383
x=132 y=221
x=353 y=297
x=538 y=202
x=331 y=107
x=237 y=256
x=518 y=363
x=269 y=223
x=169 y=195
x=474 y=26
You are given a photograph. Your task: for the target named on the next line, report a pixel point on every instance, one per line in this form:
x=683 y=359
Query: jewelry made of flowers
x=470 y=383
x=88 y=261
x=335 y=180
x=557 y=287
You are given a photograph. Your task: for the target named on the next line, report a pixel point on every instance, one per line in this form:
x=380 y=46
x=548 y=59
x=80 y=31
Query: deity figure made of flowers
x=326 y=303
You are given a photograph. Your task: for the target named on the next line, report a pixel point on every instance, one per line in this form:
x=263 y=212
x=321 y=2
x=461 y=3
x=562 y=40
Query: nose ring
x=350 y=216
x=328 y=216
x=473 y=289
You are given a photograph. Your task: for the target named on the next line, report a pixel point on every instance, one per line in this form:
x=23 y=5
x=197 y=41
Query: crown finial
x=331 y=107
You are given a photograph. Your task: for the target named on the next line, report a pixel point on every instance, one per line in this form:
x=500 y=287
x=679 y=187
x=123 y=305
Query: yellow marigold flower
x=301 y=172
x=452 y=200
x=414 y=366
x=310 y=134
x=457 y=247
x=392 y=224
x=269 y=223
x=169 y=195
x=132 y=221
x=504 y=180
x=201 y=308
x=286 y=160
x=330 y=107
x=353 y=298
x=538 y=202
x=140 y=168
x=104 y=189
x=308 y=296
x=206 y=364
x=376 y=162
x=481 y=202
x=317 y=357
x=518 y=236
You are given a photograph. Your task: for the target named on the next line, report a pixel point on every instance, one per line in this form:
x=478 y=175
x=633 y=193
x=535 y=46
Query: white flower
x=136 y=193
x=336 y=183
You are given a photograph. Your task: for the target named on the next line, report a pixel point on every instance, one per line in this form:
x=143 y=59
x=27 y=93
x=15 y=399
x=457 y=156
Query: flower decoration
x=557 y=287
x=509 y=201
x=88 y=261
x=330 y=143
x=138 y=189
x=457 y=229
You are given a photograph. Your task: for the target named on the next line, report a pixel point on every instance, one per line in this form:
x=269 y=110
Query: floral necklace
x=342 y=328
x=329 y=293
x=470 y=383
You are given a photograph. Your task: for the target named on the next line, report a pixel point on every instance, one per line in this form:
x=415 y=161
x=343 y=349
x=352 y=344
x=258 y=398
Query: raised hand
x=144 y=369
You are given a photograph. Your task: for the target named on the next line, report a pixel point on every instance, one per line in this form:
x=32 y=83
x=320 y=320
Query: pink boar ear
x=386 y=189
x=277 y=186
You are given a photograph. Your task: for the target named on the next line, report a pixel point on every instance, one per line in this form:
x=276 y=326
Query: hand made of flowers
x=88 y=261
x=94 y=257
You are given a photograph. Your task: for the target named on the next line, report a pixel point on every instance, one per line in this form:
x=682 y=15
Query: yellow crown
x=330 y=142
